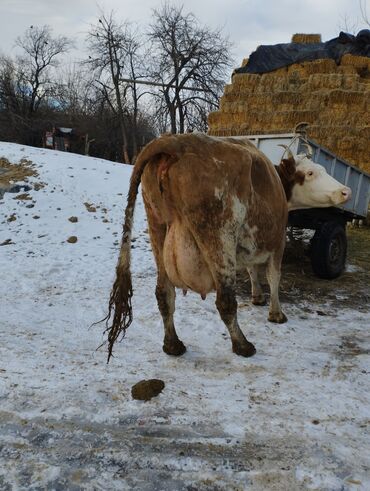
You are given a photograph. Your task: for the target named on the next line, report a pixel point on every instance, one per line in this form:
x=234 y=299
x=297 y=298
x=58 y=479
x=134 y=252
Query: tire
x=329 y=250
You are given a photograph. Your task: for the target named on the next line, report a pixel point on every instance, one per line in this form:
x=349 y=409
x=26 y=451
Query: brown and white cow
x=214 y=206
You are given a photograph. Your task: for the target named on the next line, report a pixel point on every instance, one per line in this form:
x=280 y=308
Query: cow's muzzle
x=342 y=195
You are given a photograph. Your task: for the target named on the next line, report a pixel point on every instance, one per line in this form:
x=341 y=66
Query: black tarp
x=269 y=58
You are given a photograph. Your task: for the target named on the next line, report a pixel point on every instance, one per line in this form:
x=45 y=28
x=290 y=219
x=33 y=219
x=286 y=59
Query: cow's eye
x=310 y=173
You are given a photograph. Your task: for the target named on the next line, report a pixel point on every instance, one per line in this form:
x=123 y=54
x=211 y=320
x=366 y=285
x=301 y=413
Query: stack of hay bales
x=333 y=99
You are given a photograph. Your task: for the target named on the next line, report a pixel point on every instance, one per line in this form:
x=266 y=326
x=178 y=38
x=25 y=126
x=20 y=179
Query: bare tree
x=75 y=92
x=188 y=56
x=115 y=57
x=40 y=53
x=364 y=13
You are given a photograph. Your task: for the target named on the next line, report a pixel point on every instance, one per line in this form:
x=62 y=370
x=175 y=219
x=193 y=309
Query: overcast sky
x=247 y=23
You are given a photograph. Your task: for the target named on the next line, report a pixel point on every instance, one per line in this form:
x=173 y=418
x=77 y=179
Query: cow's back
x=211 y=181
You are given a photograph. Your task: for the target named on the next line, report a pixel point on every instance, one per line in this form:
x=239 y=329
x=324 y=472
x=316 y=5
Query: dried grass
x=16 y=172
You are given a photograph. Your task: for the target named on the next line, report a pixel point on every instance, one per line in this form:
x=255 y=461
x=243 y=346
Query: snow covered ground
x=295 y=416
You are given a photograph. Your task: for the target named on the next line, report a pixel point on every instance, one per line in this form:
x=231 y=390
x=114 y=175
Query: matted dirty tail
x=120 y=307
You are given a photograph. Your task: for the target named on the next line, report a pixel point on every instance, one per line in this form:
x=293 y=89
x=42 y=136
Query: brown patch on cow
x=164 y=162
x=147 y=389
x=286 y=170
x=289 y=176
x=299 y=177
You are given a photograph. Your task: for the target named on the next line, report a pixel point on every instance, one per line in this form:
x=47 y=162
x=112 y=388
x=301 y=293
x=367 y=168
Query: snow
x=295 y=416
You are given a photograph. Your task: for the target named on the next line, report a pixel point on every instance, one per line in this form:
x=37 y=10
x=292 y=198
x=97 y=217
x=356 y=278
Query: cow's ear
x=287 y=169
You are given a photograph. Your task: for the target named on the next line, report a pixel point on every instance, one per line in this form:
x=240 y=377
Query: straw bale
x=298 y=70
x=364 y=132
x=306 y=38
x=348 y=69
x=245 y=79
x=346 y=97
x=346 y=144
x=271 y=83
x=276 y=121
x=335 y=100
x=286 y=97
x=356 y=61
x=228 y=89
x=325 y=80
x=281 y=72
x=313 y=102
x=350 y=82
x=320 y=66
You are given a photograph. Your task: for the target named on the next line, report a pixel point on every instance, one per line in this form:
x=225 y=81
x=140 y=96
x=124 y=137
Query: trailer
x=328 y=248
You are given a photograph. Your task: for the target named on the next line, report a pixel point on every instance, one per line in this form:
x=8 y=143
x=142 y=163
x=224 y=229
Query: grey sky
x=248 y=23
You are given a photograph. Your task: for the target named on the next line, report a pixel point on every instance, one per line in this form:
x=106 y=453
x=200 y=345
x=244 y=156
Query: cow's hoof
x=176 y=348
x=244 y=349
x=259 y=300
x=277 y=317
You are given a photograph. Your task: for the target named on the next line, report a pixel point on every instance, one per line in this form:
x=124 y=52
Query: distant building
x=64 y=139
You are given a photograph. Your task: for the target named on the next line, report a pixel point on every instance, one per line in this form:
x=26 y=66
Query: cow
x=214 y=206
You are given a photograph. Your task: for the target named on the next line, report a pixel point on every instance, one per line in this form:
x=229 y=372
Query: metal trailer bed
x=329 y=244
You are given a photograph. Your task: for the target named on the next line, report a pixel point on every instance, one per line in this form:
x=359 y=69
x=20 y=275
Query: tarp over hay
x=333 y=98
x=269 y=58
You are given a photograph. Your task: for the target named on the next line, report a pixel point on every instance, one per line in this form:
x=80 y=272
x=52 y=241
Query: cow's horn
x=287 y=149
x=309 y=153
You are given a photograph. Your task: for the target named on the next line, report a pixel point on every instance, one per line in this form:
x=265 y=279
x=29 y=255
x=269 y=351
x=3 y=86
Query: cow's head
x=308 y=185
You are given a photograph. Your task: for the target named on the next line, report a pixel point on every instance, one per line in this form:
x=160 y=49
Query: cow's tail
x=119 y=315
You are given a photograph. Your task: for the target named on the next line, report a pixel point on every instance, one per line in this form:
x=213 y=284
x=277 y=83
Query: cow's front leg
x=165 y=293
x=273 y=278
x=227 y=307
x=258 y=297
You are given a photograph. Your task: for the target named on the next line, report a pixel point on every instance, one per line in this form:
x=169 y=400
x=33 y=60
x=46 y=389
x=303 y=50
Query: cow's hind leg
x=165 y=293
x=273 y=278
x=258 y=297
x=221 y=260
x=227 y=307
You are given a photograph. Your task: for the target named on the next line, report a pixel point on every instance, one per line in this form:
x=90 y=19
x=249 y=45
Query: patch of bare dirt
x=350 y=290
x=23 y=197
x=90 y=207
x=16 y=172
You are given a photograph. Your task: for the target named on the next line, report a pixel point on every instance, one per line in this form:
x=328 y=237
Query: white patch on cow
x=230 y=234
x=248 y=251
x=239 y=209
x=219 y=193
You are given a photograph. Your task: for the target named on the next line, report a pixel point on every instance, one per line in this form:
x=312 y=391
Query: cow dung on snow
x=146 y=389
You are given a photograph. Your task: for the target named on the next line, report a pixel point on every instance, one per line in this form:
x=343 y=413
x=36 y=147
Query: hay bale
x=361 y=62
x=306 y=38
x=347 y=69
x=334 y=99
x=320 y=66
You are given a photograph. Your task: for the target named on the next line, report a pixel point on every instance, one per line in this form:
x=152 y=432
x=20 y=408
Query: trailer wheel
x=329 y=250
